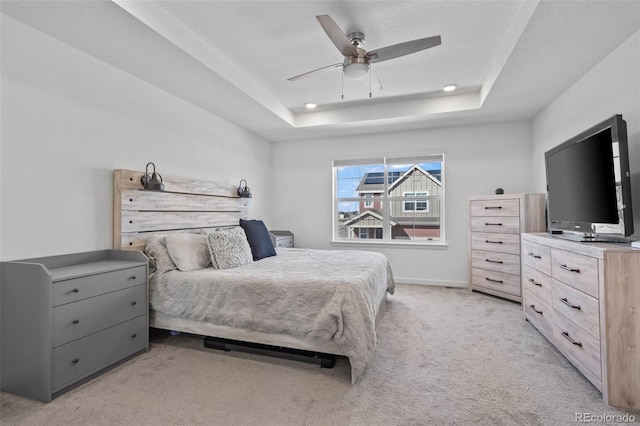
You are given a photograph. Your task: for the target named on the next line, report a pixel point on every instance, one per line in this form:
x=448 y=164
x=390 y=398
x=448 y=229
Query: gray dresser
x=66 y=318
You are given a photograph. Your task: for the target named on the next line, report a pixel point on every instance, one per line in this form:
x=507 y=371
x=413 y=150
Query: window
x=368 y=203
x=389 y=199
x=417 y=205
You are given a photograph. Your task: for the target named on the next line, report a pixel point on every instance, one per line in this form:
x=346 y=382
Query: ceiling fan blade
x=308 y=73
x=337 y=36
x=401 y=49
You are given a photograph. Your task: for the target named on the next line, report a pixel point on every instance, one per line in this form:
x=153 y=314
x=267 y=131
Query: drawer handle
x=535 y=310
x=134 y=303
x=566 y=302
x=535 y=256
x=492 y=207
x=566 y=336
x=132 y=277
x=493 y=261
x=75 y=290
x=75 y=360
x=570 y=269
x=76 y=321
x=494 y=281
x=532 y=281
x=134 y=335
x=492 y=224
x=493 y=242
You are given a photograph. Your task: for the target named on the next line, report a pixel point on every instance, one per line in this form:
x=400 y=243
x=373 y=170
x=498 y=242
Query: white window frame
x=386 y=200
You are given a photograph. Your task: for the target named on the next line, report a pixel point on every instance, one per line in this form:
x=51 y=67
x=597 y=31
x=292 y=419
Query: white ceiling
x=509 y=58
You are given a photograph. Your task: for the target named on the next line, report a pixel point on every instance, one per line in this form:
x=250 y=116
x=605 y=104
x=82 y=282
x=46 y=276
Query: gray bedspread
x=311 y=294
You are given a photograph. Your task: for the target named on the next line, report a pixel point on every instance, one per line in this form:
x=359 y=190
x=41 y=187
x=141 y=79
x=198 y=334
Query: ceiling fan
x=356 y=64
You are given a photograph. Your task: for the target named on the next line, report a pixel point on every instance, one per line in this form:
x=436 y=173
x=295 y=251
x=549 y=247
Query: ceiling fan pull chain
x=342 y=82
x=370 y=72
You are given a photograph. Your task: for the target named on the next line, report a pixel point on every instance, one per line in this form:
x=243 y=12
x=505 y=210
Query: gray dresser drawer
x=94 y=285
x=284 y=242
x=82 y=357
x=75 y=320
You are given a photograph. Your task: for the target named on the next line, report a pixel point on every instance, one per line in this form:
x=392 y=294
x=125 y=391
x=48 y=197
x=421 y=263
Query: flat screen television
x=589 y=184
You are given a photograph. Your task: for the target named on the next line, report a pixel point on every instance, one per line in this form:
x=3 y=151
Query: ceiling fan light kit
x=356 y=71
x=356 y=64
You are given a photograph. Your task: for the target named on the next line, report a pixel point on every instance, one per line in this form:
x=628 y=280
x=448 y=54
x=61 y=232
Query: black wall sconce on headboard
x=243 y=191
x=152 y=182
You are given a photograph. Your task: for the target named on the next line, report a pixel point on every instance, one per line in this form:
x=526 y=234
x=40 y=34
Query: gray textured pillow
x=188 y=251
x=158 y=255
x=229 y=248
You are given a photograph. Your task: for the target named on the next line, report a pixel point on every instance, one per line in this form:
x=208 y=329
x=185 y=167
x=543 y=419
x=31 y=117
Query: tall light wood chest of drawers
x=585 y=299
x=67 y=318
x=495 y=224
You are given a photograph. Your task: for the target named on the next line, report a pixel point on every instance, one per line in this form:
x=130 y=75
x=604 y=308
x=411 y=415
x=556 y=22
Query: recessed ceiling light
x=310 y=105
x=450 y=87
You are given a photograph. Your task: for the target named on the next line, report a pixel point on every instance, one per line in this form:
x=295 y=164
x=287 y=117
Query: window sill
x=397 y=244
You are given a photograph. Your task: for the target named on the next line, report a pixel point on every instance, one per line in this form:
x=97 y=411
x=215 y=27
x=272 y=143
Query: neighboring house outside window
x=389 y=199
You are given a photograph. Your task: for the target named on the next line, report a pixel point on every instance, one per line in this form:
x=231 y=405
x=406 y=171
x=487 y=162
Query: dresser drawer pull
x=566 y=302
x=492 y=207
x=133 y=336
x=535 y=256
x=492 y=224
x=566 y=336
x=532 y=281
x=535 y=310
x=493 y=242
x=494 y=281
x=570 y=269
x=494 y=261
x=75 y=290
x=76 y=321
x=75 y=360
x=134 y=303
x=132 y=277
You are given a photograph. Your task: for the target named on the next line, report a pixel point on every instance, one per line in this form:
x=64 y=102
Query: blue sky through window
x=349 y=177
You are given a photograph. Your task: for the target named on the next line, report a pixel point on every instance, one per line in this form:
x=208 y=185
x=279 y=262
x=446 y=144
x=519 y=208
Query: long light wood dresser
x=496 y=222
x=67 y=318
x=585 y=299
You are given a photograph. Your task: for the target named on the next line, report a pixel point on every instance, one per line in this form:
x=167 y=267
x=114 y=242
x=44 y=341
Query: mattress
x=315 y=295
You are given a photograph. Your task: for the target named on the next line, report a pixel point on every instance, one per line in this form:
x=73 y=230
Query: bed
x=327 y=301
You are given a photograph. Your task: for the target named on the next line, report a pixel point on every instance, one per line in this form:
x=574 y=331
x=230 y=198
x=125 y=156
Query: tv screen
x=588 y=183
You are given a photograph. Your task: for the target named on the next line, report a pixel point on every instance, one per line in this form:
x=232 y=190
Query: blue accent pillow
x=259 y=239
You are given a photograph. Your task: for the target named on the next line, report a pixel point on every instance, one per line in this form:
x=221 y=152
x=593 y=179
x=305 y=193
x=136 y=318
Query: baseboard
x=439 y=283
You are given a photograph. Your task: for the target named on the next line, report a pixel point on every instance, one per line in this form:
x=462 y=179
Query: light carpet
x=444 y=356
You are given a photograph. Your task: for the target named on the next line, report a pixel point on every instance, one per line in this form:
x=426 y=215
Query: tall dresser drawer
x=498 y=281
x=94 y=285
x=82 y=357
x=502 y=243
x=576 y=270
x=579 y=307
x=501 y=262
x=75 y=320
x=504 y=207
x=505 y=225
x=537 y=256
x=581 y=345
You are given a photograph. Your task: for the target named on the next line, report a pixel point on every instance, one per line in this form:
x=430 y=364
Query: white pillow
x=229 y=248
x=188 y=251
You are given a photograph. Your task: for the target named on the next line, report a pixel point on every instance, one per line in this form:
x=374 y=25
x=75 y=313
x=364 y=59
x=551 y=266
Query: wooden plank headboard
x=185 y=204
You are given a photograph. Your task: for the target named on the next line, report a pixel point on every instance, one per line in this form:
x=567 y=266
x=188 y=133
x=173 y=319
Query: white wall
x=69 y=120
x=479 y=159
x=611 y=87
